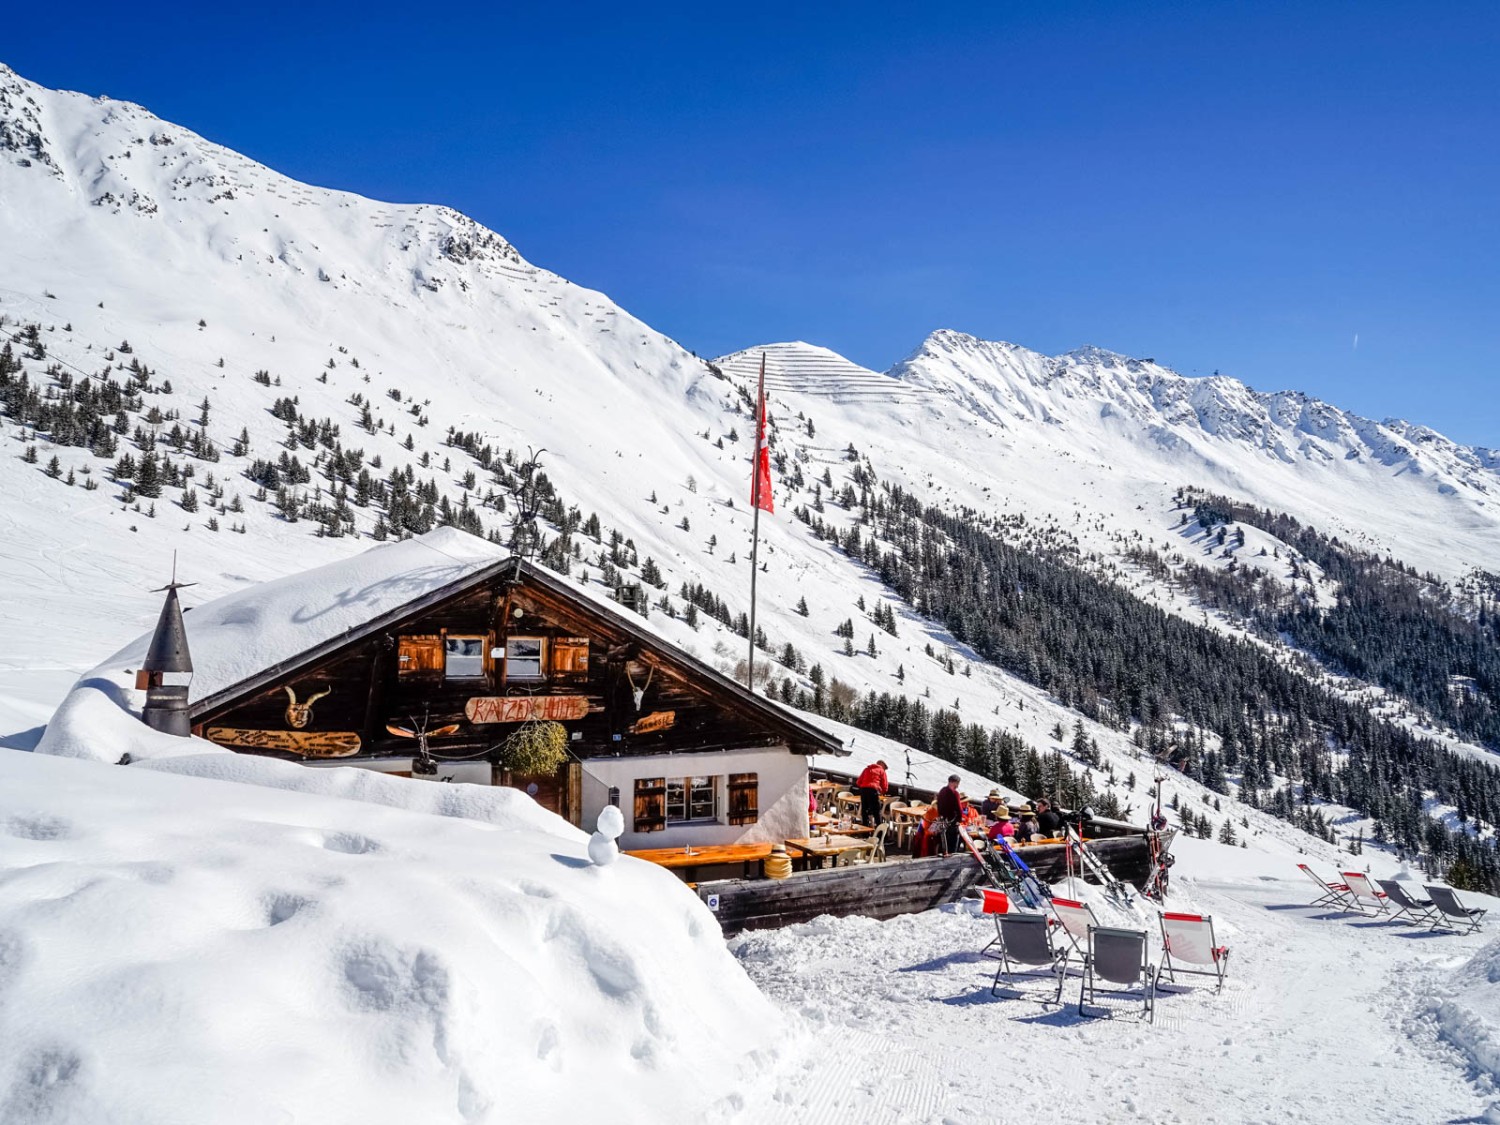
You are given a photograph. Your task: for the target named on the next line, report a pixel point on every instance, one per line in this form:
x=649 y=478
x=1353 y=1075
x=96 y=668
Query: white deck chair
x=1334 y=894
x=1026 y=939
x=1420 y=910
x=1076 y=918
x=1119 y=957
x=1463 y=919
x=1190 y=938
x=1362 y=889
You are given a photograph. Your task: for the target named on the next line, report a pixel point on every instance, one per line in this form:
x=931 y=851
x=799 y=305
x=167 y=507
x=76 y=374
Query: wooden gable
x=485 y=658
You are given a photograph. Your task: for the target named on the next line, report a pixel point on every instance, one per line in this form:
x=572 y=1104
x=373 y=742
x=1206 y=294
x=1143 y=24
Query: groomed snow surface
x=332 y=946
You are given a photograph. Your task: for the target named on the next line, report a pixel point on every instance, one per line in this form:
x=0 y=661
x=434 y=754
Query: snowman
x=602 y=848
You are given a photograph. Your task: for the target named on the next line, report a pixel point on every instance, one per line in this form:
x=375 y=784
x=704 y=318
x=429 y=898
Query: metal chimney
x=167 y=703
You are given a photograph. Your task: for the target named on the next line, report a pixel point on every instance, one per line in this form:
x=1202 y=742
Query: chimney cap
x=169 y=645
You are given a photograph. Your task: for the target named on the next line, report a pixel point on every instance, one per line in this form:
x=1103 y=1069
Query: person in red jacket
x=950 y=807
x=872 y=786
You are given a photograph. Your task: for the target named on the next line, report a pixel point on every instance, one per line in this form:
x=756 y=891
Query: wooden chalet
x=437 y=684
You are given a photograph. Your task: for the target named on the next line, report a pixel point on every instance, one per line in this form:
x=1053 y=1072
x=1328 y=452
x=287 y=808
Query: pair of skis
x=1011 y=875
x=1091 y=863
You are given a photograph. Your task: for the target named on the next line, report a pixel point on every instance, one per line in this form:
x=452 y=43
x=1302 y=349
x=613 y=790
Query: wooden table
x=688 y=860
x=829 y=823
x=839 y=849
x=905 y=818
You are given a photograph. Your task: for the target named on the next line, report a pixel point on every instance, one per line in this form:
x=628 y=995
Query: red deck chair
x=993 y=903
x=1334 y=894
x=1190 y=938
x=1076 y=918
x=1362 y=890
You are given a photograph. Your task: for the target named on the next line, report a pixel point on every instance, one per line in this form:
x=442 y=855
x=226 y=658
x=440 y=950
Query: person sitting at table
x=1002 y=825
x=923 y=838
x=993 y=805
x=1026 y=827
x=1048 y=819
x=872 y=785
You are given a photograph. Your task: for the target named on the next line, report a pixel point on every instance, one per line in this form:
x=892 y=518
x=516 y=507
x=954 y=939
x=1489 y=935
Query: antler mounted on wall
x=298 y=715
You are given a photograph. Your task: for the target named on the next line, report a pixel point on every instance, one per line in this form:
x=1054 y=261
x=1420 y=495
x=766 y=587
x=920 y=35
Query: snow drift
x=175 y=949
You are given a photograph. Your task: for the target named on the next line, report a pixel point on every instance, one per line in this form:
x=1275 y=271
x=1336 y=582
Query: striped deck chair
x=1334 y=894
x=1076 y=918
x=1362 y=889
x=1119 y=957
x=1026 y=939
x=992 y=903
x=1419 y=910
x=1462 y=919
x=1190 y=938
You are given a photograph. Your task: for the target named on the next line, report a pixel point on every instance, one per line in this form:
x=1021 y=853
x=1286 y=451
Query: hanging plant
x=536 y=747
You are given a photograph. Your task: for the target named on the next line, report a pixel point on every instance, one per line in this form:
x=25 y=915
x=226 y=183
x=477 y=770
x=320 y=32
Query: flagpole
x=760 y=437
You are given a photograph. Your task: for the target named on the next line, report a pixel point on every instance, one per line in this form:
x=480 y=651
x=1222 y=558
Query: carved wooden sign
x=522 y=708
x=657 y=720
x=308 y=743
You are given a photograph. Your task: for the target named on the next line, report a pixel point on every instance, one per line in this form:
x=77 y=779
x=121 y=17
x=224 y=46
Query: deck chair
x=1334 y=894
x=1419 y=910
x=1362 y=890
x=1460 y=918
x=1190 y=938
x=1119 y=957
x=992 y=903
x=1026 y=939
x=1076 y=918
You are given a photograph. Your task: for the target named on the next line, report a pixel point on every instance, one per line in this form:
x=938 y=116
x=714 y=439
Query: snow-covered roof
x=241 y=638
x=240 y=635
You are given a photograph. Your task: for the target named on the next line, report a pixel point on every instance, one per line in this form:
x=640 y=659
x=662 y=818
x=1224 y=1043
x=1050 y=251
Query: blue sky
x=1298 y=195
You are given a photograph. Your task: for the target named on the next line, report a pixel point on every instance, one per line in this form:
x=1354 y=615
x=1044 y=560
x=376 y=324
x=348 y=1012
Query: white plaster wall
x=781 y=781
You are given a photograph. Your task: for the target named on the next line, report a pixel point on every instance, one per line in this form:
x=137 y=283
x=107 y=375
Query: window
x=463 y=657
x=650 y=804
x=523 y=658
x=664 y=801
x=420 y=654
x=692 y=798
x=743 y=799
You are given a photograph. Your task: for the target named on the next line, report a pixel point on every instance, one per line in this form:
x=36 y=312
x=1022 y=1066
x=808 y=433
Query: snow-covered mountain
x=1115 y=433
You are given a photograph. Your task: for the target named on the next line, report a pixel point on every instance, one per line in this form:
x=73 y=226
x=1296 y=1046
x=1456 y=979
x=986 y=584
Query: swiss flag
x=760 y=480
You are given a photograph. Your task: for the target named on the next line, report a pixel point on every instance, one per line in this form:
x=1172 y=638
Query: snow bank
x=1469 y=1017
x=179 y=949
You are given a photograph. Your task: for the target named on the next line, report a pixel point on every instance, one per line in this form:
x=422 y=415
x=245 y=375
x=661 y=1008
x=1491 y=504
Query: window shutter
x=744 y=799
x=420 y=654
x=650 y=804
x=570 y=658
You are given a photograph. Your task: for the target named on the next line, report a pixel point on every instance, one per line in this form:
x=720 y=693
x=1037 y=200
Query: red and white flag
x=760 y=478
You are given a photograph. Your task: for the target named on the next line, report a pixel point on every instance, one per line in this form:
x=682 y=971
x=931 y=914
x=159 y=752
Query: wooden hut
x=397 y=661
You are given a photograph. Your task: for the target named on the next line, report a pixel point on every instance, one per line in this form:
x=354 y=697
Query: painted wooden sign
x=308 y=743
x=657 y=720
x=522 y=708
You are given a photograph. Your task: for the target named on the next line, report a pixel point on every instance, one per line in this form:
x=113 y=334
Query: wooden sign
x=308 y=743
x=657 y=720
x=522 y=708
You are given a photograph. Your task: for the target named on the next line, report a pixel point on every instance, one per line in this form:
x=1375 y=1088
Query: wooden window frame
x=650 y=804
x=541 y=659
x=484 y=655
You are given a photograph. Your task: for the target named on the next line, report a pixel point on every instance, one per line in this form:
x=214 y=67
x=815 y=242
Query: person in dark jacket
x=872 y=785
x=950 y=811
x=1048 y=819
